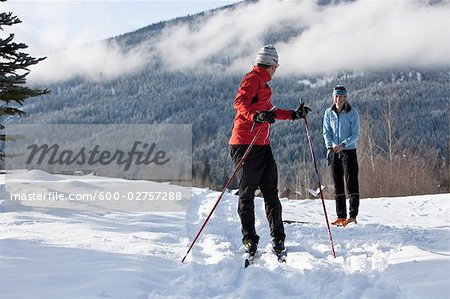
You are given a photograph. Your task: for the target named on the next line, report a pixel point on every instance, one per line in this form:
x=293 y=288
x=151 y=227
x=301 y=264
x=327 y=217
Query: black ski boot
x=279 y=250
x=250 y=247
x=278 y=246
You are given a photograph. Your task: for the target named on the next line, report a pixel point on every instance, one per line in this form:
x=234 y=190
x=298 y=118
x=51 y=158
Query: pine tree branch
x=7 y=19
x=11 y=111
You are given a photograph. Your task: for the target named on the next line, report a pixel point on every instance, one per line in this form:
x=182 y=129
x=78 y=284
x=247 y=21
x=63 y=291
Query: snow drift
x=399 y=249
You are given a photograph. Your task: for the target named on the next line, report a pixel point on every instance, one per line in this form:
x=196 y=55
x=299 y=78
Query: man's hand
x=338 y=148
x=330 y=156
x=301 y=112
x=265 y=117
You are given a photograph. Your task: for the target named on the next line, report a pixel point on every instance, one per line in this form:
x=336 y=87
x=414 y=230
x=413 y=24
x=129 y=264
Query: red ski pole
x=320 y=185
x=225 y=188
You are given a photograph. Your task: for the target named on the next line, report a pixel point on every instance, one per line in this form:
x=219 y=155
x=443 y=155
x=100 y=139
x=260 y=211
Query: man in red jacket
x=254 y=108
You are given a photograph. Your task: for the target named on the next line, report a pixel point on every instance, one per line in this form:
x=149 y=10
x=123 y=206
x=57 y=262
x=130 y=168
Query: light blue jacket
x=341 y=128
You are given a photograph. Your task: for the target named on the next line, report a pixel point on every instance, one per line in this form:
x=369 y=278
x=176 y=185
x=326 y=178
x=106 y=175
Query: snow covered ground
x=399 y=249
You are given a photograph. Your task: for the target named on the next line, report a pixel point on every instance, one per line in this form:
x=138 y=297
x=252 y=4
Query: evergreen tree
x=14 y=66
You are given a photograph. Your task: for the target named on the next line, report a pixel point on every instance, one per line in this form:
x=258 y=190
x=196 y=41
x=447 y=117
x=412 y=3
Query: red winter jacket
x=253 y=96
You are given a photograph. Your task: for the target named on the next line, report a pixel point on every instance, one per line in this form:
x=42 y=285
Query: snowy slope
x=399 y=249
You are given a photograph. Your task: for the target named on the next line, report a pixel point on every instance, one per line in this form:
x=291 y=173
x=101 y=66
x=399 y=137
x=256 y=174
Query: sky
x=53 y=25
x=362 y=35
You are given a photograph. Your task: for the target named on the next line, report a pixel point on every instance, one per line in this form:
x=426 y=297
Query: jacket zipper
x=267 y=136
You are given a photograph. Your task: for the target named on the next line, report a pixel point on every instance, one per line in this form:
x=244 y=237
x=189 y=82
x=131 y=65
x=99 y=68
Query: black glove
x=265 y=117
x=301 y=112
x=330 y=157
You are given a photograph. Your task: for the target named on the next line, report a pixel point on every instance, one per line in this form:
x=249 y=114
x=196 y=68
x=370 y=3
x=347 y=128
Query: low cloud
x=360 y=35
x=94 y=62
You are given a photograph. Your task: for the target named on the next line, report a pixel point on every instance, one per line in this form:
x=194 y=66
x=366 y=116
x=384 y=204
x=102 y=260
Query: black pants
x=259 y=170
x=345 y=166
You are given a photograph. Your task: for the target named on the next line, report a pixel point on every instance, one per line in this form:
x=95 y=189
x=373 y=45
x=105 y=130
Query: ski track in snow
x=399 y=249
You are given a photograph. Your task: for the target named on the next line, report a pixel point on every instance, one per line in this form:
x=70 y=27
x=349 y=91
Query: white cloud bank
x=95 y=62
x=361 y=35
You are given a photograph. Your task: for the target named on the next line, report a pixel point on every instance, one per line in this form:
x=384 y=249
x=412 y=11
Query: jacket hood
x=347 y=107
x=261 y=72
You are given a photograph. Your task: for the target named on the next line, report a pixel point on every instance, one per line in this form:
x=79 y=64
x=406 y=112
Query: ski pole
x=225 y=188
x=320 y=185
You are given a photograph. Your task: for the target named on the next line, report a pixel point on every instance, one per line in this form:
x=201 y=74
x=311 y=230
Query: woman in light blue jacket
x=341 y=133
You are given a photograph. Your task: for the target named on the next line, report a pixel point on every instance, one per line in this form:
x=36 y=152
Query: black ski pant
x=258 y=170
x=344 y=166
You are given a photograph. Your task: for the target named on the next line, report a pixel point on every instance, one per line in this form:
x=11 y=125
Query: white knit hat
x=267 y=55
